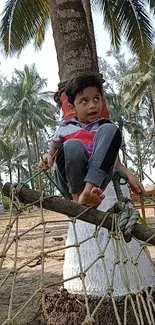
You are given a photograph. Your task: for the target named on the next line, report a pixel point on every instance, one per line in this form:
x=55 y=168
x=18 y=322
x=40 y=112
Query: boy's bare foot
x=91 y=198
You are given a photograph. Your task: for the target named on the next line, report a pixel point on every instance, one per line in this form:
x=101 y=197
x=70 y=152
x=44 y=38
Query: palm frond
x=30 y=17
x=128 y=19
x=108 y=8
x=151 y=4
x=135 y=86
x=7 y=110
x=37 y=122
x=136 y=26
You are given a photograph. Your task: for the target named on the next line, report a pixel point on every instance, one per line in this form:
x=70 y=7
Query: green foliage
x=138 y=85
x=119 y=112
x=6 y=202
x=26 y=108
x=25 y=20
x=142 y=221
x=30 y=17
x=130 y=19
x=26 y=113
x=137 y=124
x=44 y=180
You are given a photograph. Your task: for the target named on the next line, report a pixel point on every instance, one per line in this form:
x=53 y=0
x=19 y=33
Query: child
x=86 y=147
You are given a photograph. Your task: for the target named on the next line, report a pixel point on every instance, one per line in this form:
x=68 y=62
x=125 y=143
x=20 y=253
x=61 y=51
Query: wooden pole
x=72 y=209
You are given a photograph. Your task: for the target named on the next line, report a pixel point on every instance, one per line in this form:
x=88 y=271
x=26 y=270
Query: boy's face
x=88 y=105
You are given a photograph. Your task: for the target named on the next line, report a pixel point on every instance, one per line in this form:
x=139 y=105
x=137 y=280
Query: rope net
x=105 y=279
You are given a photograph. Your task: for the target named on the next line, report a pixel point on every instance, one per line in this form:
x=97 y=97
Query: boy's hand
x=46 y=161
x=136 y=186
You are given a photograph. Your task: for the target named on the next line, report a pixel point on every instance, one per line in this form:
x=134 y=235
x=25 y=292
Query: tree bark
x=88 y=12
x=18 y=171
x=72 y=209
x=152 y=96
x=140 y=165
x=29 y=161
x=72 y=40
x=10 y=171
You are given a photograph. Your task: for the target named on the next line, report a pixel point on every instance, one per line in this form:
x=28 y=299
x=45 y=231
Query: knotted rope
x=128 y=216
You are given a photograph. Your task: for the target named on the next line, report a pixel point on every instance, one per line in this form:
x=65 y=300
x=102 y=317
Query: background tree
x=27 y=109
x=8 y=148
x=138 y=85
x=135 y=122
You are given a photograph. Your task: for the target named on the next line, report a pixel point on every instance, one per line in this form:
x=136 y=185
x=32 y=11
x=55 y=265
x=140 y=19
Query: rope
x=124 y=218
x=128 y=216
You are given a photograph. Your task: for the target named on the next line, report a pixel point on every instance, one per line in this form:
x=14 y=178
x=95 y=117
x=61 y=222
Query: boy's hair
x=78 y=84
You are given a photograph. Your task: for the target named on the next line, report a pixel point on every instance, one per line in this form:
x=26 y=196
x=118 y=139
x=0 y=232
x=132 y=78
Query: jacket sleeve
x=57 y=138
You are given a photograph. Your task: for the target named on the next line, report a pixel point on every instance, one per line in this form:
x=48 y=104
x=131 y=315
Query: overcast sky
x=45 y=59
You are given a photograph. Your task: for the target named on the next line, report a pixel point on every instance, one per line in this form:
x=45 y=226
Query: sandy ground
x=28 y=278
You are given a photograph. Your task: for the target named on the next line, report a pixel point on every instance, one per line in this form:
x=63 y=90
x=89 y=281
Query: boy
x=86 y=147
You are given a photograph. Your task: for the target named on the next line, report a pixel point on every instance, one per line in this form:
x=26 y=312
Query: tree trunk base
x=63 y=308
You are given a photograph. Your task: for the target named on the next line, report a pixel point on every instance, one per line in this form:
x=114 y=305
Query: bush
x=6 y=203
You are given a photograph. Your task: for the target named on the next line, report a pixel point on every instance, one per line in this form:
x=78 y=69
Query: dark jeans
x=75 y=167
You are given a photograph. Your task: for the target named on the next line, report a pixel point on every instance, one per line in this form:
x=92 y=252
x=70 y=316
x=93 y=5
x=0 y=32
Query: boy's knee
x=72 y=144
x=73 y=148
x=110 y=128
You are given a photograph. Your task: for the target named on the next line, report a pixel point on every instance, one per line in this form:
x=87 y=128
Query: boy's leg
x=61 y=185
x=71 y=167
x=107 y=143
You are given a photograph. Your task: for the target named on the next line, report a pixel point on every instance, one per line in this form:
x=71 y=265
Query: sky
x=46 y=59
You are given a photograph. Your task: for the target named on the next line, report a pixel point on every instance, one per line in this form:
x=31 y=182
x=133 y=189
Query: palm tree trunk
x=88 y=12
x=37 y=147
x=139 y=156
x=141 y=177
x=10 y=172
x=34 y=150
x=29 y=161
x=152 y=96
x=1 y=181
x=72 y=40
x=124 y=149
x=75 y=56
x=37 y=156
x=125 y=162
x=18 y=171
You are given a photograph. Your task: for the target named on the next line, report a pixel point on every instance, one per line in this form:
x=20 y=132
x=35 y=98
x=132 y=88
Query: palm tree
x=127 y=18
x=8 y=150
x=119 y=112
x=26 y=109
x=138 y=85
x=28 y=19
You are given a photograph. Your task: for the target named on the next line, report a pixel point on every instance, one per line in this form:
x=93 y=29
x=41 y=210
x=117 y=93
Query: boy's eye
x=97 y=98
x=83 y=101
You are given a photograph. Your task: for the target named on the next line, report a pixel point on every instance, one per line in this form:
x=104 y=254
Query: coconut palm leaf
x=25 y=109
x=23 y=21
x=128 y=19
x=151 y=3
x=134 y=87
x=26 y=20
x=139 y=86
x=108 y=9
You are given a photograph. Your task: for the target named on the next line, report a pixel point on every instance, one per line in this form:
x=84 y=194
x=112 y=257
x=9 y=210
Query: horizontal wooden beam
x=72 y=209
